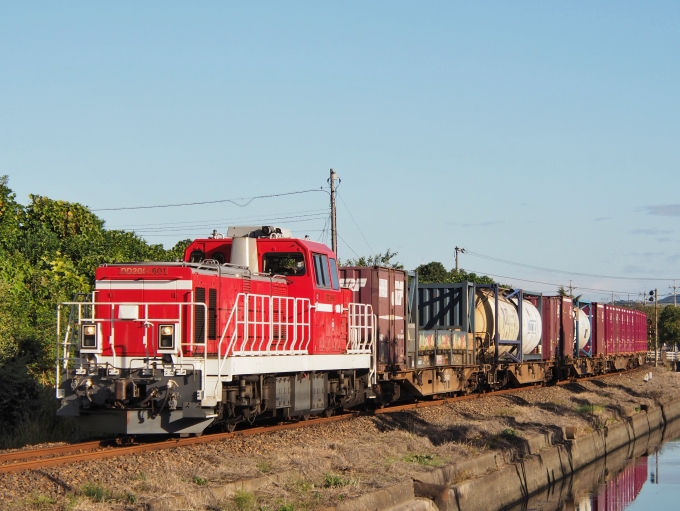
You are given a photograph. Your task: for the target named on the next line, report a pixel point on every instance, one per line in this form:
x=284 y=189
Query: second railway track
x=28 y=459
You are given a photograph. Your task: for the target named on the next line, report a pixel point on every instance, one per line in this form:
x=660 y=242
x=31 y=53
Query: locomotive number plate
x=142 y=270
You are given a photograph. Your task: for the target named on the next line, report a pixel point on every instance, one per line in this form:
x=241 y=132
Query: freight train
x=258 y=324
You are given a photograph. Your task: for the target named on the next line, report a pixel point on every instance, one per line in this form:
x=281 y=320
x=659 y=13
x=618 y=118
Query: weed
x=244 y=500
x=427 y=460
x=510 y=435
x=201 y=481
x=41 y=501
x=141 y=477
x=286 y=507
x=96 y=492
x=589 y=409
x=334 y=481
x=461 y=476
x=72 y=501
x=303 y=485
x=508 y=412
x=264 y=466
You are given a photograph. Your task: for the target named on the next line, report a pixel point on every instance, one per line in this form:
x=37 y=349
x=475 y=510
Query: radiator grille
x=199 y=317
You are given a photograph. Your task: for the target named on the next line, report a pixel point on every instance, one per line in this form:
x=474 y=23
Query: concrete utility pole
x=334 y=227
x=461 y=251
x=571 y=289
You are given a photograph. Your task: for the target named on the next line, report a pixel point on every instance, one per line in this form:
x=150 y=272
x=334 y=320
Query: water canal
x=643 y=476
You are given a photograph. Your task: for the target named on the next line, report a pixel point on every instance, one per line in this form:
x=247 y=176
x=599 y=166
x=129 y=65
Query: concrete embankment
x=486 y=484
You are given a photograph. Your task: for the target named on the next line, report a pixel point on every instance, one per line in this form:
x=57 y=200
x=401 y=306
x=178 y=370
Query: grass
x=335 y=481
x=508 y=412
x=99 y=493
x=510 y=434
x=201 y=481
x=264 y=466
x=589 y=409
x=244 y=500
x=40 y=424
x=427 y=460
x=41 y=502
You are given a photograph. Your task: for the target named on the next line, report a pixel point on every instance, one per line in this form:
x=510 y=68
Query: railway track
x=28 y=459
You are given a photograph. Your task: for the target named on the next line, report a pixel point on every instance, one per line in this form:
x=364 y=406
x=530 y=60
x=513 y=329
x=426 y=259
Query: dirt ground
x=338 y=460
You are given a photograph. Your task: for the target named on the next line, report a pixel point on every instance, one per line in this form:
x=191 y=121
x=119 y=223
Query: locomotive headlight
x=166 y=337
x=88 y=336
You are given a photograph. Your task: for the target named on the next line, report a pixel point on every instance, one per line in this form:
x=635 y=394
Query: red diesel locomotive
x=259 y=324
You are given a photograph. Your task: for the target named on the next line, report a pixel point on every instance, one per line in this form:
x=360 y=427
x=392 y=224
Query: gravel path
x=339 y=460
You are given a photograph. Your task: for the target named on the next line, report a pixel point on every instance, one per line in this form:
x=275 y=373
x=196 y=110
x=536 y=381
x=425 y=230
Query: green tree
x=379 y=259
x=436 y=273
x=669 y=325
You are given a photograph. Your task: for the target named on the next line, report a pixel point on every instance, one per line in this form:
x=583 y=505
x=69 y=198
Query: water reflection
x=636 y=477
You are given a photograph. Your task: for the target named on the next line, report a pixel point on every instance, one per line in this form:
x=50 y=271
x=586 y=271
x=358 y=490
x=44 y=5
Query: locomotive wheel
x=305 y=417
x=229 y=427
x=328 y=412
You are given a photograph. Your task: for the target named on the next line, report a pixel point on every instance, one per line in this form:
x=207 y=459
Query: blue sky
x=540 y=133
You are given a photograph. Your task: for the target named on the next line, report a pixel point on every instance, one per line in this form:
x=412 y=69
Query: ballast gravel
x=338 y=460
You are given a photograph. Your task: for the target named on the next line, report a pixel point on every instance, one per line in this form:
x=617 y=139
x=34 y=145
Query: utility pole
x=656 y=328
x=334 y=227
x=674 y=288
x=654 y=297
x=461 y=251
x=571 y=289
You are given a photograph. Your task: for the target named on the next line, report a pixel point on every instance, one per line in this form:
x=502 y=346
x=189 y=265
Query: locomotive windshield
x=284 y=263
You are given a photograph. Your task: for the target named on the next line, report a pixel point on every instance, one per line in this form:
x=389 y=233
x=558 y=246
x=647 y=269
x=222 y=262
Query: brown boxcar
x=385 y=290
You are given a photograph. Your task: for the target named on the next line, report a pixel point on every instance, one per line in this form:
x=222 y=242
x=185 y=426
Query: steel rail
x=111 y=452
x=99 y=449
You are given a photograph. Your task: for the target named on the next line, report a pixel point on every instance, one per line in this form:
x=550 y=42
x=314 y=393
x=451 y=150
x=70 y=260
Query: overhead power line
x=233 y=201
x=171 y=228
x=355 y=223
x=275 y=217
x=553 y=283
x=532 y=267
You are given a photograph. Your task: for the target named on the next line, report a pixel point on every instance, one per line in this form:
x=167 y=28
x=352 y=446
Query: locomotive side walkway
x=329 y=465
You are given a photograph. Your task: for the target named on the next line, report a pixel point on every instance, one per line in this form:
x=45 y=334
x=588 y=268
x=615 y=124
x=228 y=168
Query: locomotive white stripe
x=151 y=285
x=261 y=365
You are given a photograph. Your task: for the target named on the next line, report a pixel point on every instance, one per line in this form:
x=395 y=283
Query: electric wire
x=293 y=214
x=555 y=284
x=232 y=201
x=355 y=223
x=212 y=224
x=348 y=246
x=532 y=267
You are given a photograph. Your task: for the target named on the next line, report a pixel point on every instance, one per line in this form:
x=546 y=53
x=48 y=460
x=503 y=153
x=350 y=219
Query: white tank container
x=583 y=334
x=508 y=325
x=532 y=326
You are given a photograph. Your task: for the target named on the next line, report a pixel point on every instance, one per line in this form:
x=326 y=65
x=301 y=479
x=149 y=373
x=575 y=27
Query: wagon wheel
x=306 y=417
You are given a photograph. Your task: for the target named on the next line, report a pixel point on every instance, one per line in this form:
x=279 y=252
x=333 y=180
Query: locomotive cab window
x=321 y=271
x=218 y=256
x=284 y=263
x=334 y=275
x=196 y=256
